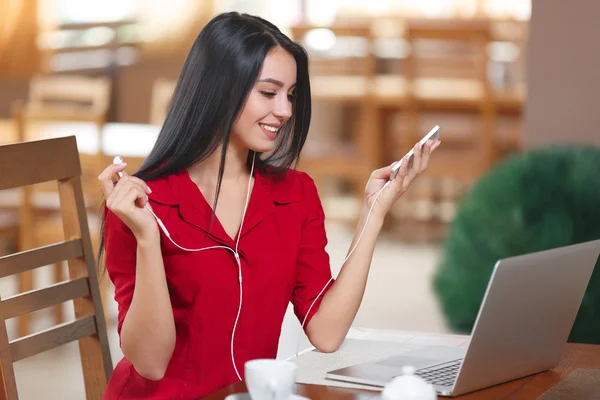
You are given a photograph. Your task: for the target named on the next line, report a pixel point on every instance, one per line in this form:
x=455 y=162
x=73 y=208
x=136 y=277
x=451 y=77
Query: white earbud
x=118 y=160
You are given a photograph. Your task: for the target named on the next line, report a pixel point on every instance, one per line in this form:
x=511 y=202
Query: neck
x=207 y=172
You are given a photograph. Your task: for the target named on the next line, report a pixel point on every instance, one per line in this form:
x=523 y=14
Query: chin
x=262 y=147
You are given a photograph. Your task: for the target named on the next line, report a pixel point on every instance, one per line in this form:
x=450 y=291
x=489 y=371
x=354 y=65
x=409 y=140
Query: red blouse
x=283 y=258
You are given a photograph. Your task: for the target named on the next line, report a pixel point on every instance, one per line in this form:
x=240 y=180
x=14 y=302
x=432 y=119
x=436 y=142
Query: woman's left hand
x=406 y=174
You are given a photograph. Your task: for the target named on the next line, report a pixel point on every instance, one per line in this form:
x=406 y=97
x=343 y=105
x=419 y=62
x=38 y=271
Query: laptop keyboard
x=442 y=374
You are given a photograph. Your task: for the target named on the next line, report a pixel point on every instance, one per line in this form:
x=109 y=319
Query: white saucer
x=246 y=396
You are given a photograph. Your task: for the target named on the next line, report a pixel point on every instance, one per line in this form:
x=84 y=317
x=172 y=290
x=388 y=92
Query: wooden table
x=575 y=356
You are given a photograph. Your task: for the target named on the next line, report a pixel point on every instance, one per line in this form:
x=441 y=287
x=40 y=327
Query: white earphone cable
x=237 y=258
x=234 y=251
x=343 y=262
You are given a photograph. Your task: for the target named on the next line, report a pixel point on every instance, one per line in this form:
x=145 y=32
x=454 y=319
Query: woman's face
x=269 y=103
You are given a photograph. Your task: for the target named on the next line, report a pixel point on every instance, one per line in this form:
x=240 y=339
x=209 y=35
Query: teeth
x=269 y=128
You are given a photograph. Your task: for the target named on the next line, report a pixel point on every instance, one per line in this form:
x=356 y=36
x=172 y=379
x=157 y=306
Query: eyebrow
x=275 y=82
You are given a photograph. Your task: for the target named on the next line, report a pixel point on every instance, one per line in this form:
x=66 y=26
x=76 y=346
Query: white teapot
x=408 y=386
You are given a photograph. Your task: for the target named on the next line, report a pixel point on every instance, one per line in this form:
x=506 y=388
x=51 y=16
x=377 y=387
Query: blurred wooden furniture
x=344 y=79
x=507 y=54
x=392 y=79
x=9 y=230
x=69 y=97
x=446 y=80
x=451 y=75
x=162 y=92
x=57 y=98
x=26 y=164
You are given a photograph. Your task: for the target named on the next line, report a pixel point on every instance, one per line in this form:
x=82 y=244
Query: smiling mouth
x=270 y=130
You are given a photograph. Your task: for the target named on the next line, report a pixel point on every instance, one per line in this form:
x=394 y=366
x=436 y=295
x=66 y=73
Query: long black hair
x=217 y=77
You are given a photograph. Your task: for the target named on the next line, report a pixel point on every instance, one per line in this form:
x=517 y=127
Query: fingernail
x=148 y=189
x=122 y=164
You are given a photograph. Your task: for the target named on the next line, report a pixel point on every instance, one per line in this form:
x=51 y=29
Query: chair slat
x=31 y=259
x=43 y=298
x=50 y=338
x=16 y=172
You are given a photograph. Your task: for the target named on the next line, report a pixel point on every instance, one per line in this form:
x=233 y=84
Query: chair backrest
x=70 y=93
x=31 y=163
x=348 y=50
x=447 y=71
x=448 y=49
x=162 y=92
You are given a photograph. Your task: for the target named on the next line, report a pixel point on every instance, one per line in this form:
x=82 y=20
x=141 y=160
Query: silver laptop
x=523 y=324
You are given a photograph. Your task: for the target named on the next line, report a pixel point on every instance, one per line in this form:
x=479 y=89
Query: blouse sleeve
x=120 y=248
x=313 y=277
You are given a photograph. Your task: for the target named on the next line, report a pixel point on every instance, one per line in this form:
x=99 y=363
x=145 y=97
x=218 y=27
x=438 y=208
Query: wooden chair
x=446 y=70
x=70 y=97
x=58 y=99
x=35 y=162
x=342 y=78
x=162 y=92
x=9 y=230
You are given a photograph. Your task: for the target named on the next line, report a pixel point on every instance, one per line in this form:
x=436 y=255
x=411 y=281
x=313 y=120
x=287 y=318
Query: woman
x=188 y=319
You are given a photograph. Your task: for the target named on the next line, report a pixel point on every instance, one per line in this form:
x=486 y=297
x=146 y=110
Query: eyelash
x=291 y=97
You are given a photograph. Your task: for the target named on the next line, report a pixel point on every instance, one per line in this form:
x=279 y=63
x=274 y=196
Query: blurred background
x=512 y=83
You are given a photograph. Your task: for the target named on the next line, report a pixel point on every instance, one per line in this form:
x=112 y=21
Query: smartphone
x=433 y=134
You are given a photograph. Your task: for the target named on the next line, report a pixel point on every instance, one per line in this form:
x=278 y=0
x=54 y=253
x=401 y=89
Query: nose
x=283 y=108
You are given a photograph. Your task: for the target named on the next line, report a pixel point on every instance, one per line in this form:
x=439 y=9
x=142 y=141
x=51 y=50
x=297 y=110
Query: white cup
x=270 y=379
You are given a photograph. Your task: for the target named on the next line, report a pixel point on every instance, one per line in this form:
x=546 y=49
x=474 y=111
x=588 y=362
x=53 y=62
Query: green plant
x=533 y=201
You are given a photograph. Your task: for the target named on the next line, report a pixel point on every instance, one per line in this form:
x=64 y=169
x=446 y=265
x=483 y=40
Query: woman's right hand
x=127 y=200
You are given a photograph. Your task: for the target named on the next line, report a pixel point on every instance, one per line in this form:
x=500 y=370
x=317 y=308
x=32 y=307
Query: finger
x=123 y=185
x=141 y=198
x=397 y=184
x=119 y=175
x=121 y=188
x=105 y=177
x=139 y=183
x=416 y=168
x=383 y=173
x=427 y=148
x=404 y=168
x=134 y=196
x=130 y=195
x=127 y=182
